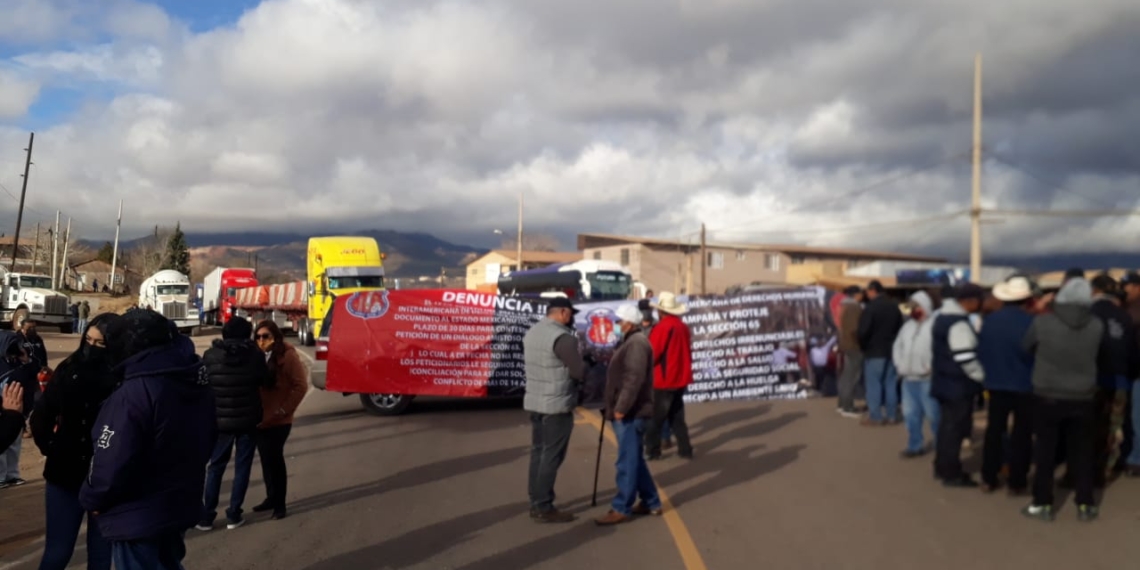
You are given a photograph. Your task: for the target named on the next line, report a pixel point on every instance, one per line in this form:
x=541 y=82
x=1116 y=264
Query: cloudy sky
x=832 y=123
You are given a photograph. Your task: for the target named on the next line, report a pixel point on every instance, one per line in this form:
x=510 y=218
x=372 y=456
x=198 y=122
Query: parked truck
x=219 y=292
x=168 y=293
x=24 y=295
x=335 y=265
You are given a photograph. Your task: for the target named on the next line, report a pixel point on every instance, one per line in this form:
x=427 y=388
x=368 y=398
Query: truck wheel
x=386 y=404
x=18 y=317
x=302 y=335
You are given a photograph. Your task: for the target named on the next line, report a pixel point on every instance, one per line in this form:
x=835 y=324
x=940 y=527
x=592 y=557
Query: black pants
x=271 y=448
x=1002 y=405
x=550 y=436
x=955 y=426
x=1077 y=421
x=668 y=404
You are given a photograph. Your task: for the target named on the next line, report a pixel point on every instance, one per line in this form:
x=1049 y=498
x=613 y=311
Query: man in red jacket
x=672 y=373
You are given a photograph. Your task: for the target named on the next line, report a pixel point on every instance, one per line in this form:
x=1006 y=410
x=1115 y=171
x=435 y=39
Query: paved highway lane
x=774 y=485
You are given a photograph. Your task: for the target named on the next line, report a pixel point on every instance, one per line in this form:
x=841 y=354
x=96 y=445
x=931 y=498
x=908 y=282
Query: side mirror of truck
x=312 y=288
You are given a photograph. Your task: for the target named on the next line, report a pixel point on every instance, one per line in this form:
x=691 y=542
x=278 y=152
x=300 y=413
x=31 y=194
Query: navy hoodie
x=16 y=372
x=1009 y=368
x=153 y=438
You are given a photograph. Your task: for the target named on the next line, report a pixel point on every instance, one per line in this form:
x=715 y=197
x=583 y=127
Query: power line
x=1065 y=213
x=1026 y=171
x=850 y=194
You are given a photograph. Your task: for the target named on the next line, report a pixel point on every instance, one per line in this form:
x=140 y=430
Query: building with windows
x=674 y=265
x=483 y=273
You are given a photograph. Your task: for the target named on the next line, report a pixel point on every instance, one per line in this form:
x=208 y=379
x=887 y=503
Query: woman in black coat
x=61 y=426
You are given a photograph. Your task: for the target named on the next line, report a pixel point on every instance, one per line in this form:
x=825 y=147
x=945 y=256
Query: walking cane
x=598 y=460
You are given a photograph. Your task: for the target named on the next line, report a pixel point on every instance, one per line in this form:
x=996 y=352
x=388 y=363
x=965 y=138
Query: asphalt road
x=774 y=485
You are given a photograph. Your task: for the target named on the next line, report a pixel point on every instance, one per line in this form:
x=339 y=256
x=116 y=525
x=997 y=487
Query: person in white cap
x=672 y=373
x=1009 y=380
x=629 y=405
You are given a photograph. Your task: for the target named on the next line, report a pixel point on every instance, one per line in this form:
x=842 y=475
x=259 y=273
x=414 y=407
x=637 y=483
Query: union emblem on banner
x=368 y=304
x=601 y=328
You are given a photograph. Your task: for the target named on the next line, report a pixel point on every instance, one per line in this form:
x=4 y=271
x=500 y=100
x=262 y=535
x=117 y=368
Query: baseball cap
x=1130 y=278
x=628 y=313
x=562 y=303
x=852 y=290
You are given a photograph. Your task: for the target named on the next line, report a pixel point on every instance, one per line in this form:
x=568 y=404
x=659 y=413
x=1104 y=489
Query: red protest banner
x=430 y=342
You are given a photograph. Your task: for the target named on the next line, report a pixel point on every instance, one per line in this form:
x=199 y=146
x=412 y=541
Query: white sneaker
x=235 y=524
x=204 y=527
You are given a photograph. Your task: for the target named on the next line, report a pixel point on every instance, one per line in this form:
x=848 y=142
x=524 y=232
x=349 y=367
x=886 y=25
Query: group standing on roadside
x=1063 y=369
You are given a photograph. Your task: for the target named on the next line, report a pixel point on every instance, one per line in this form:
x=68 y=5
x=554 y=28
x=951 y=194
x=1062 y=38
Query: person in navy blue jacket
x=1009 y=380
x=153 y=438
x=957 y=380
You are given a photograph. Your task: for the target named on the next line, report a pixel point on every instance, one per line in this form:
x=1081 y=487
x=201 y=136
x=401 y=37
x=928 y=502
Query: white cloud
x=761 y=119
x=16 y=94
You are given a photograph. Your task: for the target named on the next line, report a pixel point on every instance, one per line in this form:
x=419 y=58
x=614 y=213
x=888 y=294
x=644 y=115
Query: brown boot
x=612 y=518
x=552 y=516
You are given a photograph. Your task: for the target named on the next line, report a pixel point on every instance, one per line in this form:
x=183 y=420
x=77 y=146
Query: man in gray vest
x=554 y=369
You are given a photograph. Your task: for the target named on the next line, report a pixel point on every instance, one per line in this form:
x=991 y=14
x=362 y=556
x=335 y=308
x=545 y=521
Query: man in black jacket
x=236 y=369
x=1115 y=370
x=878 y=326
x=17 y=368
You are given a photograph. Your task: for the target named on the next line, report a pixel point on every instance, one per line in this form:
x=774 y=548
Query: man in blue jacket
x=153 y=438
x=957 y=380
x=1009 y=379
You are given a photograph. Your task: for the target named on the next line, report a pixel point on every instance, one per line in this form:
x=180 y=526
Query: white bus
x=586 y=280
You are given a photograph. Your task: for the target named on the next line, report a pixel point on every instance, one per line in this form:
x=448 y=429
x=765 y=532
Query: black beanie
x=237 y=329
x=136 y=331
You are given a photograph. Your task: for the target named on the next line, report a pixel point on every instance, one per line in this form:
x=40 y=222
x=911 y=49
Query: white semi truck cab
x=168 y=293
x=24 y=295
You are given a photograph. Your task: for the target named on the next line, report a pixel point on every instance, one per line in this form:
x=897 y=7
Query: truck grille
x=55 y=305
x=174 y=310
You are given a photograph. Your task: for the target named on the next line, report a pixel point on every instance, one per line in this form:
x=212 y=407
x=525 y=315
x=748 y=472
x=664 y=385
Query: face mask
x=94 y=353
x=917 y=313
x=265 y=345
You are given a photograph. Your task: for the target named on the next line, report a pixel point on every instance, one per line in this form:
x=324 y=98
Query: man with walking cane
x=554 y=368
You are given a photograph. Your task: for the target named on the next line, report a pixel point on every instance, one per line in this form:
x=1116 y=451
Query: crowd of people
x=1057 y=374
x=137 y=431
x=646 y=380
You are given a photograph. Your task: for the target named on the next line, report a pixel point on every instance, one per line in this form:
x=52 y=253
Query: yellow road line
x=681 y=537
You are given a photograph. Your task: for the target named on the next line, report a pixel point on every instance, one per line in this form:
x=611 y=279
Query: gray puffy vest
x=549 y=388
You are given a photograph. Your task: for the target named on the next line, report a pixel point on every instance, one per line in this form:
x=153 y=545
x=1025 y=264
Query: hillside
x=281 y=256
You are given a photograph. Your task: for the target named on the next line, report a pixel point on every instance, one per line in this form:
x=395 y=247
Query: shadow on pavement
x=454 y=405
x=544 y=549
x=430 y=473
x=369 y=440
x=725 y=419
x=420 y=545
x=316 y=419
x=755 y=429
x=729 y=468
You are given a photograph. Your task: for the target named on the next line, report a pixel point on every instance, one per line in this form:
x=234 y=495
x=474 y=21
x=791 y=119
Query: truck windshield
x=231 y=291
x=173 y=289
x=35 y=281
x=359 y=282
x=608 y=286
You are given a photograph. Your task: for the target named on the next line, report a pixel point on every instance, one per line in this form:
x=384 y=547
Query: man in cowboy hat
x=672 y=373
x=1009 y=380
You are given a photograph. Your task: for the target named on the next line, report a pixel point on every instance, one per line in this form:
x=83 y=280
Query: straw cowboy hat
x=667 y=303
x=1014 y=289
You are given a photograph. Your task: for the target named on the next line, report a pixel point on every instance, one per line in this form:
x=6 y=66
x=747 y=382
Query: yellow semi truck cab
x=339 y=265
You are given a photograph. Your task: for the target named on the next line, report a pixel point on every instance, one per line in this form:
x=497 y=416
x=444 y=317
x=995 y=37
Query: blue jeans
x=164 y=552
x=1134 y=457
x=633 y=477
x=243 y=464
x=881 y=379
x=64 y=517
x=917 y=405
x=81 y=327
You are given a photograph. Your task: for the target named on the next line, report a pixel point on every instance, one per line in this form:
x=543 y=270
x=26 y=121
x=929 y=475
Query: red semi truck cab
x=220 y=292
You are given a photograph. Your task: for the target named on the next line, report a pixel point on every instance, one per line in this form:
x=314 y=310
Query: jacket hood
x=1075 y=292
x=923 y=300
x=7 y=339
x=176 y=359
x=234 y=351
x=1074 y=316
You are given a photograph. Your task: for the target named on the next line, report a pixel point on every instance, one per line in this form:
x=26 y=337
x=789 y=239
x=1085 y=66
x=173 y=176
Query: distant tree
x=106 y=253
x=177 y=252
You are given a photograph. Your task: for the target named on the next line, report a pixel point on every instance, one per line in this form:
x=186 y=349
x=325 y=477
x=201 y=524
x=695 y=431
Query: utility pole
x=255 y=265
x=704 y=260
x=689 y=272
x=519 y=259
x=36 y=249
x=976 y=199
x=55 y=251
x=677 y=278
x=63 y=259
x=115 y=251
x=23 y=193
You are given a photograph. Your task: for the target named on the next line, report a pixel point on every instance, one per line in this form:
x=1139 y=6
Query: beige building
x=671 y=265
x=483 y=273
